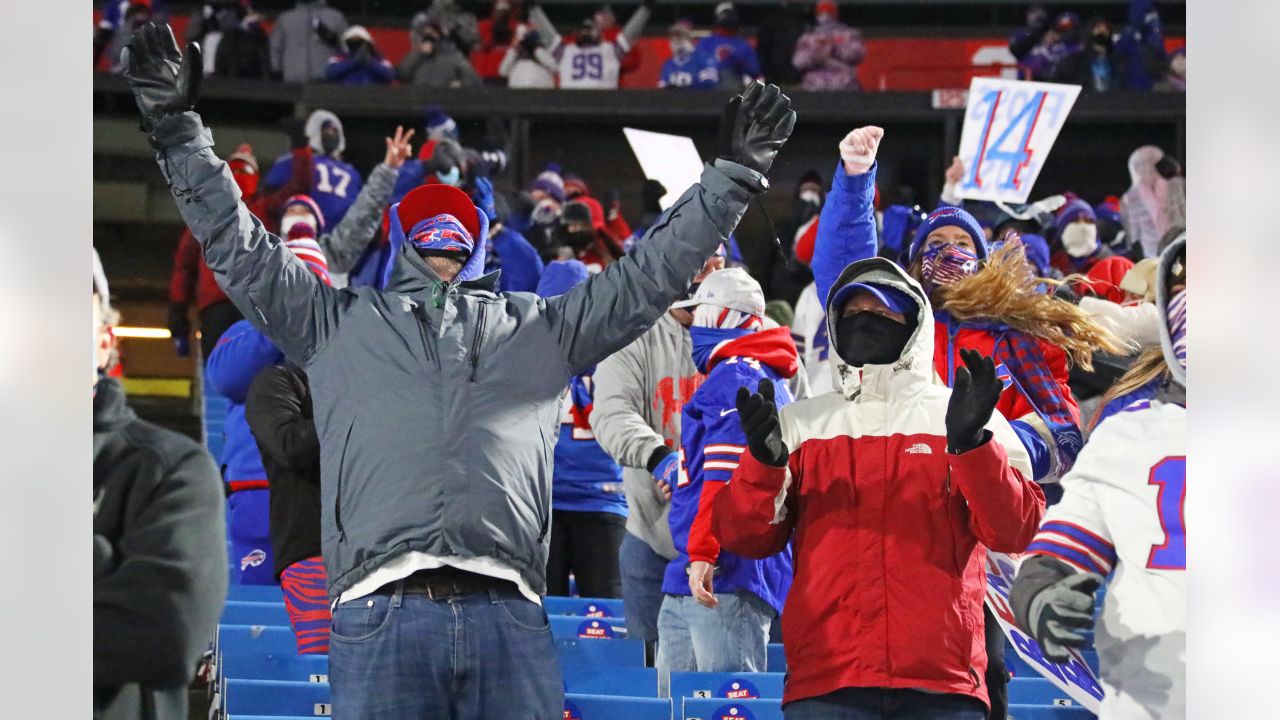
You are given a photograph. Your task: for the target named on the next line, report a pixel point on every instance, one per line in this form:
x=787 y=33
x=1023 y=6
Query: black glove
x=759 y=417
x=755 y=125
x=164 y=82
x=973 y=399
x=296 y=129
x=1060 y=610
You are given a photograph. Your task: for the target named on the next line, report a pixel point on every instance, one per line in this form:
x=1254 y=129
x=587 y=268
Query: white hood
x=317 y=119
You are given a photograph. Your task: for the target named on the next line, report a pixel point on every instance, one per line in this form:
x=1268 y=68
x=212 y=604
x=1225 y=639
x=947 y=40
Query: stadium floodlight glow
x=145 y=333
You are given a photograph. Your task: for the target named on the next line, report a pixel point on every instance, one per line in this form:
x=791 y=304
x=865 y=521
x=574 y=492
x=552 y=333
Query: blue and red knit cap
x=949 y=215
x=309 y=204
x=309 y=251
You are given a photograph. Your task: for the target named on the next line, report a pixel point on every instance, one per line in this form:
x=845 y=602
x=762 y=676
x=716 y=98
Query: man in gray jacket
x=304 y=39
x=436 y=402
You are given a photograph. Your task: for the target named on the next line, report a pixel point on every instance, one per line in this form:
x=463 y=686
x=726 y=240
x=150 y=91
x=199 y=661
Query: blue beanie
x=1071 y=212
x=950 y=215
x=1037 y=251
x=561 y=276
x=440 y=125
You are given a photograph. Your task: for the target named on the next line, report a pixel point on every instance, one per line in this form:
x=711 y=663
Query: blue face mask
x=706 y=339
x=453 y=177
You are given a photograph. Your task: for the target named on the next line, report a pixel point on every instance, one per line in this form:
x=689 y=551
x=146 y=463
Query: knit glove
x=1059 y=611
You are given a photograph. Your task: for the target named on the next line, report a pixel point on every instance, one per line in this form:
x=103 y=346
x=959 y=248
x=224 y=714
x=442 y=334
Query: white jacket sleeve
x=1139 y=324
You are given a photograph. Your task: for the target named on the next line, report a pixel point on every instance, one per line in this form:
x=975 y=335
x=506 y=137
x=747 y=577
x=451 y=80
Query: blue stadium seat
x=255 y=593
x=582 y=607
x=276 y=697
x=593 y=653
x=1035 y=691
x=775 y=660
x=726 y=685
x=1050 y=712
x=241 y=612
x=721 y=709
x=583 y=679
x=259 y=639
x=605 y=707
x=275 y=666
x=564 y=626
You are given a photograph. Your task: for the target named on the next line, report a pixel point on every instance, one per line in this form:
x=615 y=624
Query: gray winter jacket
x=297 y=52
x=437 y=404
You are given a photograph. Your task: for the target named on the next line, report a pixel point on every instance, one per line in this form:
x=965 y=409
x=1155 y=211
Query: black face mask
x=329 y=141
x=577 y=240
x=866 y=338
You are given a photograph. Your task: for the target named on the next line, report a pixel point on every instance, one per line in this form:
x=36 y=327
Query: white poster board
x=670 y=159
x=1009 y=128
x=1072 y=677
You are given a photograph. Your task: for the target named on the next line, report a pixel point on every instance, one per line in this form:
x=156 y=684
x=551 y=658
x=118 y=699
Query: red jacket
x=191 y=279
x=889 y=531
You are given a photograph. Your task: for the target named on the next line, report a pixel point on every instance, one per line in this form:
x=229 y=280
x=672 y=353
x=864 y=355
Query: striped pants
x=307 y=601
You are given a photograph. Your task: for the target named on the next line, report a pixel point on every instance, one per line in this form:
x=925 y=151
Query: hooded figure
x=336 y=183
x=588 y=507
x=829 y=54
x=886 y=450
x=359 y=63
x=719 y=607
x=1143 y=205
x=1123 y=515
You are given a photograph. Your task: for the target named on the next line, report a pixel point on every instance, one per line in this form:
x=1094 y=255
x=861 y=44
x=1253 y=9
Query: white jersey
x=809 y=330
x=595 y=67
x=1122 y=515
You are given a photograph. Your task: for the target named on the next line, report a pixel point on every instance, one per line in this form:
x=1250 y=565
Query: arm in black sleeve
x=278 y=410
x=155 y=610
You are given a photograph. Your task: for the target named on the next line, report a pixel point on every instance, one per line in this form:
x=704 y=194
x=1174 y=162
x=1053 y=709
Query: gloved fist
x=163 y=81
x=296 y=129
x=755 y=125
x=759 y=417
x=1059 y=611
x=858 y=149
x=973 y=399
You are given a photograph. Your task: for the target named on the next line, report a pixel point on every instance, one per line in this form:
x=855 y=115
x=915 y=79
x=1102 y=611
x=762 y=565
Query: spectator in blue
x=359 y=63
x=1048 y=61
x=688 y=67
x=507 y=250
x=719 y=606
x=732 y=53
x=588 y=506
x=1026 y=38
x=1140 y=47
x=242 y=352
x=335 y=183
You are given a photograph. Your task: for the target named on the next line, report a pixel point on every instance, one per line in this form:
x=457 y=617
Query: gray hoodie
x=297 y=52
x=437 y=403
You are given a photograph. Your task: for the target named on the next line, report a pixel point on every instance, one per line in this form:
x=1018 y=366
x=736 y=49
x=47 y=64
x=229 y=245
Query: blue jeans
x=642 y=572
x=730 y=637
x=483 y=655
x=885 y=704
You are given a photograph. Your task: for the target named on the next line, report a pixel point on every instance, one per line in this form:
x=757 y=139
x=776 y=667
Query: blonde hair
x=1005 y=290
x=1148 y=366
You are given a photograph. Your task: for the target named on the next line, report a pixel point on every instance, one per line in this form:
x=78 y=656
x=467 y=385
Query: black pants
x=214 y=320
x=585 y=543
x=997 y=674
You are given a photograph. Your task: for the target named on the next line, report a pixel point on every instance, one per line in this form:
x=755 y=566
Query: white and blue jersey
x=695 y=70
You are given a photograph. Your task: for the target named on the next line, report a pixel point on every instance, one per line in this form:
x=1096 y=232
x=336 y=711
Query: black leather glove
x=163 y=81
x=296 y=129
x=973 y=399
x=759 y=417
x=1059 y=611
x=755 y=125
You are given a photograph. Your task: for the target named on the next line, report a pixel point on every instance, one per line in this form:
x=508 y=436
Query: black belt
x=446 y=582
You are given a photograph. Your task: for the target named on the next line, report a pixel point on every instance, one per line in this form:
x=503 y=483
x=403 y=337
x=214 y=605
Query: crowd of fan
x=516 y=45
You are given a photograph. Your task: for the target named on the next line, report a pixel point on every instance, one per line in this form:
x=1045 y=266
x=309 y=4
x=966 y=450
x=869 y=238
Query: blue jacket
x=732 y=54
x=242 y=352
x=519 y=262
x=711 y=443
x=334 y=184
x=347 y=70
x=697 y=70
x=584 y=477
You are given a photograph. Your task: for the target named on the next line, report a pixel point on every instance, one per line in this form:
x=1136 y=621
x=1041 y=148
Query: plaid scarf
x=1020 y=353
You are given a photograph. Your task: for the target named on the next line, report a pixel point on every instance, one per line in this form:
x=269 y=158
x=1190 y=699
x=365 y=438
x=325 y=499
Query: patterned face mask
x=945 y=264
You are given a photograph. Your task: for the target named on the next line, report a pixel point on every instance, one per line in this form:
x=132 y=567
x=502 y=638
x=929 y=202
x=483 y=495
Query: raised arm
x=635 y=24
x=271 y=287
x=607 y=312
x=362 y=222
x=546 y=30
x=847 y=225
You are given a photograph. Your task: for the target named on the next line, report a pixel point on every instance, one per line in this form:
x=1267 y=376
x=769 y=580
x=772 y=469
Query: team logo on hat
x=441 y=233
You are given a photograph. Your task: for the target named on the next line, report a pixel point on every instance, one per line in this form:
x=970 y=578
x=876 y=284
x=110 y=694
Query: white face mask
x=1080 y=239
x=289 y=221
x=811 y=196
x=545 y=212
